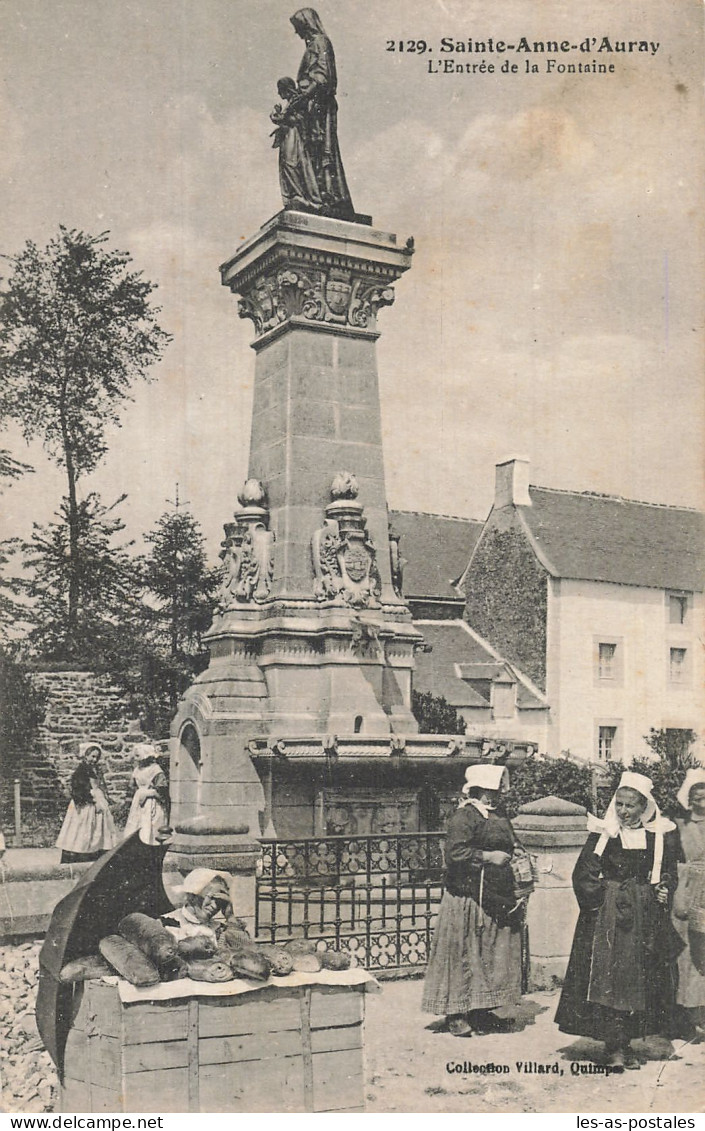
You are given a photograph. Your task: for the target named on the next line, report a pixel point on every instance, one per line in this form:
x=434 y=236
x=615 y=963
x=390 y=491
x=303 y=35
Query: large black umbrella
x=127 y=878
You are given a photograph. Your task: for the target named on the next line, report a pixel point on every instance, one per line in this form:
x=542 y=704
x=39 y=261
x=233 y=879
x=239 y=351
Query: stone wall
x=81 y=706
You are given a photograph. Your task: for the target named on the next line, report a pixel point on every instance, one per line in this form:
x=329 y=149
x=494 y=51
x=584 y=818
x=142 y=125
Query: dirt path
x=407 y=1065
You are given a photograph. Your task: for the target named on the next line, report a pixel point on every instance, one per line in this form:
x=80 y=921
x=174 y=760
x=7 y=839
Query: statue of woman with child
x=311 y=174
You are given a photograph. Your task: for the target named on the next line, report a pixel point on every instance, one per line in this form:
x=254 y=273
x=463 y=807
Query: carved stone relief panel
x=248 y=550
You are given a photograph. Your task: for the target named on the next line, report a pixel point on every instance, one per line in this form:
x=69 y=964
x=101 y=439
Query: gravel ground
x=408 y=1059
x=28 y=1081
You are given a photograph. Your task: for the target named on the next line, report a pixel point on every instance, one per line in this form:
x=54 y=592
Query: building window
x=606 y=743
x=608 y=660
x=677 y=608
x=503 y=700
x=677 y=665
x=606 y=666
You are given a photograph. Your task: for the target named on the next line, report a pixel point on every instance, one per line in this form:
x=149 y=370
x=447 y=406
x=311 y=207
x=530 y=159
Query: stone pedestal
x=311 y=638
x=554 y=831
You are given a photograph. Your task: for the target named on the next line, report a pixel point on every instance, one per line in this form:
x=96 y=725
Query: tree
x=95 y=607
x=22 y=707
x=180 y=589
x=435 y=715
x=77 y=330
x=673 y=747
x=10 y=469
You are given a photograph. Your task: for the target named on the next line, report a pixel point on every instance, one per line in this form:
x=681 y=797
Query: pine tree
x=80 y=585
x=77 y=330
x=179 y=597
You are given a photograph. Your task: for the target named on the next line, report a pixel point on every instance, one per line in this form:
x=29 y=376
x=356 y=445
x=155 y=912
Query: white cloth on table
x=186 y=987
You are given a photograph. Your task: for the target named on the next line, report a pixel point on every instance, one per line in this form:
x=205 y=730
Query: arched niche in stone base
x=190 y=743
x=186 y=766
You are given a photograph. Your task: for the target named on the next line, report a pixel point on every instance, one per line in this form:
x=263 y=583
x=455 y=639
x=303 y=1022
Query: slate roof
x=606 y=538
x=437 y=548
x=456 y=652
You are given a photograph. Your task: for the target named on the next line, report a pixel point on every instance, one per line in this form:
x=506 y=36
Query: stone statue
x=297 y=179
x=311 y=174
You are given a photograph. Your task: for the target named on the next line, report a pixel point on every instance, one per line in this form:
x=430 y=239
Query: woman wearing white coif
x=691 y=893
x=149 y=811
x=207 y=905
x=475 y=962
x=88 y=829
x=621 y=976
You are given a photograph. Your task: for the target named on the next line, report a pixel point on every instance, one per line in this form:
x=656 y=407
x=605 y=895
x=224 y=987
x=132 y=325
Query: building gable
x=506 y=594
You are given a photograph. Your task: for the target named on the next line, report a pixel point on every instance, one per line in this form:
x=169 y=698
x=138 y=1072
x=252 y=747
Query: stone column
x=311 y=638
x=554 y=831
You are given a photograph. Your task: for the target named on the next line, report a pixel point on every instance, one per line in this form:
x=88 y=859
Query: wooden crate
x=278 y=1049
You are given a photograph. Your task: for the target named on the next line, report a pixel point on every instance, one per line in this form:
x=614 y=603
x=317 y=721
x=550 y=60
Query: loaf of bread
x=300 y=946
x=234 y=937
x=154 y=941
x=81 y=969
x=280 y=960
x=335 y=960
x=128 y=960
x=209 y=970
x=248 y=962
x=196 y=947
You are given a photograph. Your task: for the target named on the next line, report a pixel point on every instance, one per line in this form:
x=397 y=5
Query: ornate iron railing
x=374 y=896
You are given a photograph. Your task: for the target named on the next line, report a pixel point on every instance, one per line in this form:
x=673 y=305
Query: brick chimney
x=512 y=483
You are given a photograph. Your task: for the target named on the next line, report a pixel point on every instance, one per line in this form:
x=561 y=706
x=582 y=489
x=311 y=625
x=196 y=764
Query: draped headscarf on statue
x=308 y=20
x=651 y=821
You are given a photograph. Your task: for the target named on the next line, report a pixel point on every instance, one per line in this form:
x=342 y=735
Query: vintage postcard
x=351 y=462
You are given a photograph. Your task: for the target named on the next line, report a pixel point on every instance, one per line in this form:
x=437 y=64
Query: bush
x=536 y=778
x=666 y=777
x=674 y=758
x=22 y=707
x=435 y=715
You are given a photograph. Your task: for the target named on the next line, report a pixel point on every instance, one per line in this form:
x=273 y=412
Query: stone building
x=599 y=601
x=496 y=700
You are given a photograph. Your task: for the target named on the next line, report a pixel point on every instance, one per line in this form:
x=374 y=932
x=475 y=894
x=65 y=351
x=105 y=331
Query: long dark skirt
x=474 y=964
x=621 y=976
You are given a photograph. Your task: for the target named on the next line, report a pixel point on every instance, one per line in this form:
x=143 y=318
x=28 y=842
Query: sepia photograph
x=352 y=423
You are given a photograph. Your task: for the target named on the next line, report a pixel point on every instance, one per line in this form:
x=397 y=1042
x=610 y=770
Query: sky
x=554 y=306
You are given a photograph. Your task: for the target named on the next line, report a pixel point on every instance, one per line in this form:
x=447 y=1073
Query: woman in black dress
x=621 y=976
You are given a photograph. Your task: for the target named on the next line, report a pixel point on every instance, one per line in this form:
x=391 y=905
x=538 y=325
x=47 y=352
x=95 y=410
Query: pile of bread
x=144 y=953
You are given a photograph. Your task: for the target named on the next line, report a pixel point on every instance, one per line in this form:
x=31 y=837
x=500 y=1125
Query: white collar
x=633 y=838
x=482 y=809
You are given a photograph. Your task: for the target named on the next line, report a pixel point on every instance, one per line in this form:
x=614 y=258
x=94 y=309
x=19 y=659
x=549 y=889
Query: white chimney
x=511 y=484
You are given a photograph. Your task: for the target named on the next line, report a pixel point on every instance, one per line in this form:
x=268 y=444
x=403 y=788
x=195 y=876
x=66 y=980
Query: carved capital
x=315 y=287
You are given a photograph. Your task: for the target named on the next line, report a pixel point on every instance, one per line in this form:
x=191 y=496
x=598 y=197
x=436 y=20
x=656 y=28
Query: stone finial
x=253 y=494
x=552 y=806
x=344 y=486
